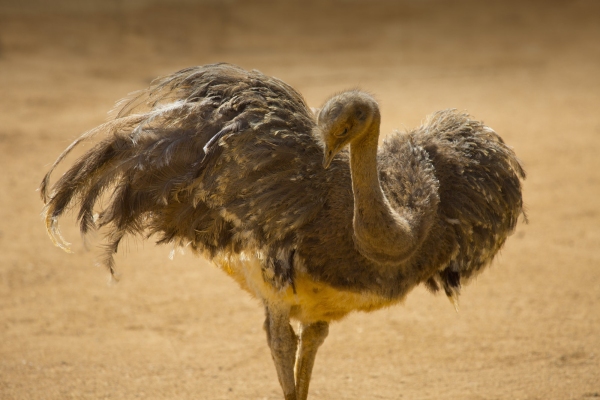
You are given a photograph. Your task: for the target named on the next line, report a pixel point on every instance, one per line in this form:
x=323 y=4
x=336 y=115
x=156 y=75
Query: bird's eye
x=344 y=132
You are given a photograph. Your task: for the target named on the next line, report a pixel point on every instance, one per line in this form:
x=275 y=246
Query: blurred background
x=528 y=328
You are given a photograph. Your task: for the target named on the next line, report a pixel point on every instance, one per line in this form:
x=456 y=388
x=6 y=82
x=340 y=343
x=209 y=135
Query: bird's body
x=230 y=163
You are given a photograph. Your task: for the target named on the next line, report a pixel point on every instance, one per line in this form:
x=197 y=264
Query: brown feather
x=226 y=160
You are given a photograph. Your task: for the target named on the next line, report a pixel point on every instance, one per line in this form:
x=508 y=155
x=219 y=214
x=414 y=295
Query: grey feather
x=229 y=160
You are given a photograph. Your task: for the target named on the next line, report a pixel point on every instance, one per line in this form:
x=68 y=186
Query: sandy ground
x=528 y=328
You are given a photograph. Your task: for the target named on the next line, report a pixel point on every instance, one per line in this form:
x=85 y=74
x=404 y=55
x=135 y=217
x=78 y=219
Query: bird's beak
x=327 y=157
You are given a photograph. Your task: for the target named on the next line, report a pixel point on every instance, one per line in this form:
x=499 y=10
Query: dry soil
x=528 y=328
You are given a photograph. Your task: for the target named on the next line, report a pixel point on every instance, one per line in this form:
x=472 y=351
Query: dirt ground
x=528 y=328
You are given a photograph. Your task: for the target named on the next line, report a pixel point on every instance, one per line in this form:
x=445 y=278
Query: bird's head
x=344 y=118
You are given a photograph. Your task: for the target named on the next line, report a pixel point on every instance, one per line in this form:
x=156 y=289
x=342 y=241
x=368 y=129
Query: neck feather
x=381 y=233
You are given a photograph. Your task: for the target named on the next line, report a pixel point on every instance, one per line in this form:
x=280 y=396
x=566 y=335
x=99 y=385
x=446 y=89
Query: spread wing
x=214 y=157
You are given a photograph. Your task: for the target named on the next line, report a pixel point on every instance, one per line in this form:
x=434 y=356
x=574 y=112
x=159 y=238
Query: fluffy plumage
x=229 y=162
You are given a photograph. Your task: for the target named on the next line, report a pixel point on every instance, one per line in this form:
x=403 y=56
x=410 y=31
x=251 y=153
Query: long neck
x=381 y=234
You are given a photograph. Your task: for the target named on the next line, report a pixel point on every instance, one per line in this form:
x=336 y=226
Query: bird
x=302 y=207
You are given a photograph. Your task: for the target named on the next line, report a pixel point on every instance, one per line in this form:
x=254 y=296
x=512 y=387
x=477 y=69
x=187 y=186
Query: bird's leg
x=283 y=342
x=312 y=337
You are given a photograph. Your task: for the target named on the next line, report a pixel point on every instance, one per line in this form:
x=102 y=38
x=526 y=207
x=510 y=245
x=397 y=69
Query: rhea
x=301 y=208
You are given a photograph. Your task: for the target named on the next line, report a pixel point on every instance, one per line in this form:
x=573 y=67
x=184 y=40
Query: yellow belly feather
x=312 y=300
